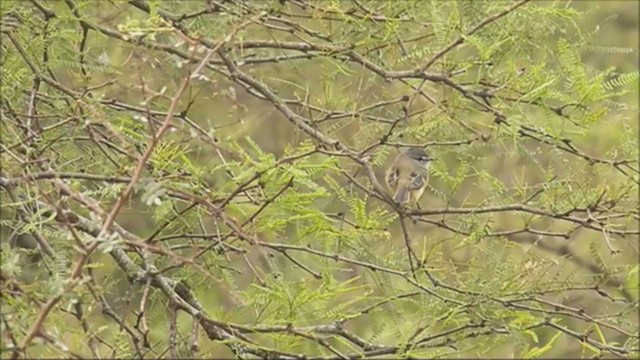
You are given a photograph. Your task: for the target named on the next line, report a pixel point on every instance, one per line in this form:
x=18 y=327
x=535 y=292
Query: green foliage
x=536 y=352
x=256 y=217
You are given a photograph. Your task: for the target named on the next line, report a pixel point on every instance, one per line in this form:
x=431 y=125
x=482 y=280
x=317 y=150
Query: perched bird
x=408 y=175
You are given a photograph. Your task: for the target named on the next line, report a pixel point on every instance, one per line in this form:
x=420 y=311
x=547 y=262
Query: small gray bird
x=408 y=175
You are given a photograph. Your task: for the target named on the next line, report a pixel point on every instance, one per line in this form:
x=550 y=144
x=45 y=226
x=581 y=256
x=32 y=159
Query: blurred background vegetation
x=558 y=281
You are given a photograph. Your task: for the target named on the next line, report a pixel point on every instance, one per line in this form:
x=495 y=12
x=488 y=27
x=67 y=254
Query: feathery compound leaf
x=609 y=49
x=621 y=80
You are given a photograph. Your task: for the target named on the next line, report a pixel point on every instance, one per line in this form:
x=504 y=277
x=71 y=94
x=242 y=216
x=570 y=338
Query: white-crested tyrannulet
x=408 y=175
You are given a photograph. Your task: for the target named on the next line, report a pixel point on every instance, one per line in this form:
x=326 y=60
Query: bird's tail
x=401 y=196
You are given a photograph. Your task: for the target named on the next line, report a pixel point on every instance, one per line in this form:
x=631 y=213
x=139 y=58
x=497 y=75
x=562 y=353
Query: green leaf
x=539 y=351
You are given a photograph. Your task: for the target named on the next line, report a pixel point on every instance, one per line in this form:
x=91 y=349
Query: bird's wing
x=393 y=176
x=418 y=180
